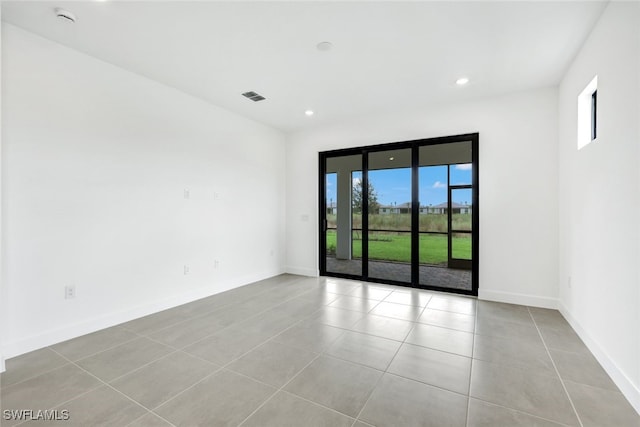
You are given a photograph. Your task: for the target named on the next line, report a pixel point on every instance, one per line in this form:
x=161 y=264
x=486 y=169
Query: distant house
x=403 y=208
x=332 y=208
x=387 y=209
x=442 y=208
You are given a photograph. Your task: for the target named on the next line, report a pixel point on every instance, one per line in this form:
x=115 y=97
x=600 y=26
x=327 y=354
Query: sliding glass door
x=403 y=213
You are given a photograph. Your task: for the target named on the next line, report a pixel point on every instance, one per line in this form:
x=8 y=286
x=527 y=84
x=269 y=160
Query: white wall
x=518 y=186
x=599 y=194
x=95 y=162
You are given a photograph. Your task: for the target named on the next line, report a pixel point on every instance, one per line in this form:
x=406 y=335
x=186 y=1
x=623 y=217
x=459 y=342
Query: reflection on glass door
x=389 y=231
x=342 y=253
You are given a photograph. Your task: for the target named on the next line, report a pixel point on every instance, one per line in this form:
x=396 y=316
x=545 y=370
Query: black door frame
x=415 y=242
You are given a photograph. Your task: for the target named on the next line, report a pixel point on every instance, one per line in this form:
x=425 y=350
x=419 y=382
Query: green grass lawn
x=430 y=222
x=397 y=247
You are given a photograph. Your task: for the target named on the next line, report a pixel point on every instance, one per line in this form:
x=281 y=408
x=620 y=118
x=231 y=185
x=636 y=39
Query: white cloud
x=438 y=184
x=356 y=181
x=464 y=167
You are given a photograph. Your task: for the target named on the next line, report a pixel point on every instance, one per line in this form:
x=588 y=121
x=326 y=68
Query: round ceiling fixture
x=309 y=113
x=462 y=81
x=324 y=46
x=65 y=15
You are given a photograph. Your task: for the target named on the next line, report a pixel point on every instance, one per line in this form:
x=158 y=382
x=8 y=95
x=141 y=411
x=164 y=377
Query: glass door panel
x=389 y=215
x=461 y=246
x=444 y=252
x=433 y=182
x=461 y=225
x=343 y=249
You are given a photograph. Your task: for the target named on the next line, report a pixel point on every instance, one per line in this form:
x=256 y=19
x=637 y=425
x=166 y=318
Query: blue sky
x=394 y=185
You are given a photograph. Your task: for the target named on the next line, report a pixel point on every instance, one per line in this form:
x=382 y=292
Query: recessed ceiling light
x=391 y=158
x=324 y=46
x=462 y=81
x=309 y=113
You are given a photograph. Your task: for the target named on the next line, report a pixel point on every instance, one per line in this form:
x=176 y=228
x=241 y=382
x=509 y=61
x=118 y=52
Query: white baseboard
x=301 y=271
x=54 y=336
x=630 y=390
x=521 y=299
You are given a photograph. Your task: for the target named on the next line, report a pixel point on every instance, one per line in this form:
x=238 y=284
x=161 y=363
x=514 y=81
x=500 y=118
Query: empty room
x=320 y=213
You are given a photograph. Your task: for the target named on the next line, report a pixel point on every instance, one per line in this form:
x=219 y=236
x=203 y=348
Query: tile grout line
x=286 y=384
x=188 y=317
x=473 y=347
x=321 y=353
x=67 y=360
x=396 y=318
x=36 y=376
x=316 y=403
x=109 y=386
x=101 y=351
x=401 y=343
x=564 y=387
x=66 y=401
x=139 y=335
x=286 y=391
x=523 y=412
x=494 y=403
x=174 y=348
x=155 y=408
x=441 y=388
x=216 y=332
x=373 y=389
x=223 y=306
x=224 y=367
x=182 y=350
x=144 y=415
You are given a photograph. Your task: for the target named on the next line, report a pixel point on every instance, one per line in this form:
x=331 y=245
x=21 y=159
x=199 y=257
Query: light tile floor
x=294 y=351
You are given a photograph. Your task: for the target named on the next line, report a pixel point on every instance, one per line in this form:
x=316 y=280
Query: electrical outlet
x=186 y=270
x=187 y=194
x=216 y=264
x=69 y=292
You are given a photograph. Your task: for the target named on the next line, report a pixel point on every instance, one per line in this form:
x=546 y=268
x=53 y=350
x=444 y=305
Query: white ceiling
x=387 y=56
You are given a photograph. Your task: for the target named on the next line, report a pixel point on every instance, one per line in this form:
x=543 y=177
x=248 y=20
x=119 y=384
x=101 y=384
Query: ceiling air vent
x=253 y=96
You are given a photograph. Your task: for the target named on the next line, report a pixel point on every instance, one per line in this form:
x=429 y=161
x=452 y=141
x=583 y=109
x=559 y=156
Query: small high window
x=588 y=114
x=594 y=114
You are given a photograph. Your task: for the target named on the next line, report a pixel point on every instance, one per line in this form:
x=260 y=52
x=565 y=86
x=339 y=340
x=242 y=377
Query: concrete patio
x=429 y=275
